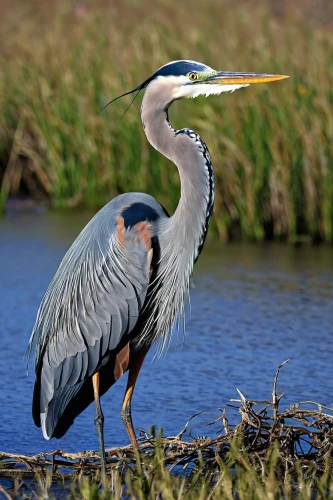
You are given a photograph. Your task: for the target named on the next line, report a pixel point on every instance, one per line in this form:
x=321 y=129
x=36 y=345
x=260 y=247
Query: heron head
x=185 y=79
x=189 y=79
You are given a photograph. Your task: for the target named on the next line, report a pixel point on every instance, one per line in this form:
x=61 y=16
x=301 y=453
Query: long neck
x=191 y=156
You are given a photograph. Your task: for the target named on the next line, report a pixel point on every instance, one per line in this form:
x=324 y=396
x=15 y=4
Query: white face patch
x=206 y=89
x=179 y=87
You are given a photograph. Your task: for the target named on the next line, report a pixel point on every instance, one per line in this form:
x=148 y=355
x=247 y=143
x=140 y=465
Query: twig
x=182 y=432
x=275 y=398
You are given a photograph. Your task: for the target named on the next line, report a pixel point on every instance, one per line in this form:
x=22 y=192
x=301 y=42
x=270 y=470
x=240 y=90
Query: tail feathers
x=60 y=414
x=36 y=409
x=43 y=424
x=68 y=402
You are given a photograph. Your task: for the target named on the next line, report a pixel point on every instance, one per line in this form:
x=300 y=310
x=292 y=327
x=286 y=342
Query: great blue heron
x=123 y=282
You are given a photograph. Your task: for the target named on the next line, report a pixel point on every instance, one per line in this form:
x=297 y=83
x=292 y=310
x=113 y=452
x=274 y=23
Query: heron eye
x=193 y=76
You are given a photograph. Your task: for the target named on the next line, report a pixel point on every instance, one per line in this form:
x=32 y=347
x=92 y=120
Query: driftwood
x=301 y=436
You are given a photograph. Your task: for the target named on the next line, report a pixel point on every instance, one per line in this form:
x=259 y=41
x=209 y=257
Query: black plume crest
x=175 y=68
x=137 y=90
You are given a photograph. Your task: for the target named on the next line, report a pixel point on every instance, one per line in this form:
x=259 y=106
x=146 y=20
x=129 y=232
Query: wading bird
x=122 y=284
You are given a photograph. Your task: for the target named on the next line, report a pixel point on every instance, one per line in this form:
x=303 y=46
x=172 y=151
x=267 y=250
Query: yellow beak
x=227 y=78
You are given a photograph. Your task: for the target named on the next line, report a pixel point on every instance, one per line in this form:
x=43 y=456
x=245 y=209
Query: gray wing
x=93 y=301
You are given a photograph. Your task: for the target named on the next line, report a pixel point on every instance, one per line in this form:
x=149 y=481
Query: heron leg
x=126 y=413
x=99 y=422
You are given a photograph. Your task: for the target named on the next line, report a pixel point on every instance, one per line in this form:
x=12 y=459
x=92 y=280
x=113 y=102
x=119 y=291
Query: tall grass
x=271 y=145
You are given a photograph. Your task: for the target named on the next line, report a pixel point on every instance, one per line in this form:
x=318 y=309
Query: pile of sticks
x=299 y=436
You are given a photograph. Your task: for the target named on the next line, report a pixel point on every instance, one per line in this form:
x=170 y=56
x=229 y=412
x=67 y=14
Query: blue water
x=252 y=307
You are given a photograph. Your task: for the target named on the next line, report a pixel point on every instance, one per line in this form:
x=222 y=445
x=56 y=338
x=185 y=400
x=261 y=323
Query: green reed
x=271 y=145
